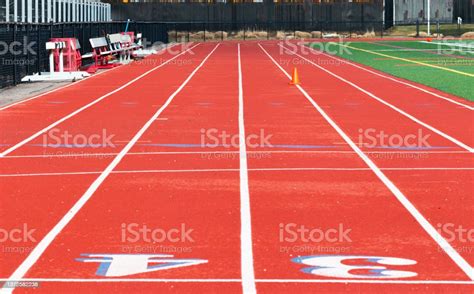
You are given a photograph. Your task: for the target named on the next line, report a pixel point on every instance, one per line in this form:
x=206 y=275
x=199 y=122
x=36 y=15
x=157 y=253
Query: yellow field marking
x=412 y=61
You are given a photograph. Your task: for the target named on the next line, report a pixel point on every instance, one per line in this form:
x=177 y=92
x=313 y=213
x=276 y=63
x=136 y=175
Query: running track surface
x=318 y=172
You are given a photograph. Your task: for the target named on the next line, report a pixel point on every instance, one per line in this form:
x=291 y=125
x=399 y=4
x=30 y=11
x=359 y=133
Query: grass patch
x=441 y=78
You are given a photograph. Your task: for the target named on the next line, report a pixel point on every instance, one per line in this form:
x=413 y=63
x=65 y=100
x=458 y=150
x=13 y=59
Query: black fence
x=464 y=9
x=206 y=31
x=264 y=12
x=22 y=46
x=336 y=26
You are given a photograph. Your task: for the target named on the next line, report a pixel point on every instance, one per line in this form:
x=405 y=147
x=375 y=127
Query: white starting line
x=302 y=281
x=394 y=152
x=236 y=170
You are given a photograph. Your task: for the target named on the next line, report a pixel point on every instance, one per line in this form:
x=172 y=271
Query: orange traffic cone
x=295 y=79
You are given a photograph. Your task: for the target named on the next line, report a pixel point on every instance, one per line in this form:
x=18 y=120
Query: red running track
x=306 y=174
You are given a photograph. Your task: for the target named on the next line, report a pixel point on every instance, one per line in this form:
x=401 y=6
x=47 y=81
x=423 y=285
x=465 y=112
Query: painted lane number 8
x=361 y=267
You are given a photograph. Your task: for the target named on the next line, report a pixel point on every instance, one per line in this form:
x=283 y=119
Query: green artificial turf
x=459 y=58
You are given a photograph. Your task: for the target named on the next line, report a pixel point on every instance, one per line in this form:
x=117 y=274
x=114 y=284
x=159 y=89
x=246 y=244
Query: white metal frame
x=429 y=18
x=53 y=75
x=45 y=11
x=7 y=10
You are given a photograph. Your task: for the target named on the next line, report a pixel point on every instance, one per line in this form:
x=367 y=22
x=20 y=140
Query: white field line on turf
x=144 y=171
x=66 y=155
x=433 y=129
x=425 y=224
x=16 y=146
x=417 y=50
x=461 y=45
x=393 y=79
x=318 y=281
x=246 y=247
x=70 y=84
x=39 y=249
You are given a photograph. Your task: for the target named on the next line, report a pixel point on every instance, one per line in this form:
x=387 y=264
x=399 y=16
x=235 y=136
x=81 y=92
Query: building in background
x=45 y=11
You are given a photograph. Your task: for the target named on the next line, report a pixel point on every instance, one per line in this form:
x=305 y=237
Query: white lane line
x=144 y=171
x=394 y=79
x=359 y=168
x=55 y=90
x=425 y=224
x=317 y=281
x=70 y=84
x=122 y=172
x=461 y=45
x=66 y=155
x=433 y=129
x=126 y=141
x=44 y=130
x=416 y=282
x=36 y=253
x=246 y=250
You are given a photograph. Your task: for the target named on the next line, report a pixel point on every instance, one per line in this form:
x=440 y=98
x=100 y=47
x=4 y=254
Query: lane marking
x=126 y=141
x=319 y=281
x=246 y=247
x=70 y=84
x=440 y=56
x=425 y=224
x=36 y=253
x=433 y=129
x=236 y=169
x=412 y=61
x=66 y=155
x=393 y=79
x=363 y=281
x=44 y=130
x=418 y=50
x=461 y=45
